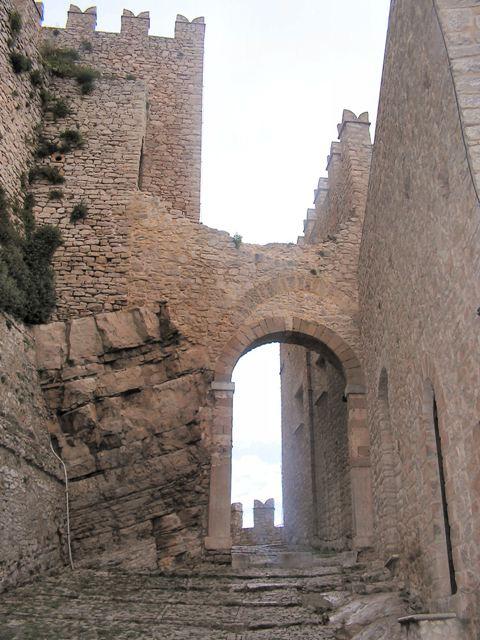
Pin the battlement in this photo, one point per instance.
(84, 23)
(348, 165)
(263, 531)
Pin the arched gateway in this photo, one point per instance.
(314, 337)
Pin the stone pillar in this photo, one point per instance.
(219, 509)
(359, 457)
(432, 626)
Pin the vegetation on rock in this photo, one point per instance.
(237, 240)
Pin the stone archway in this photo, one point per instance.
(291, 330)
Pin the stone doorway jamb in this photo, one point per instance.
(219, 508)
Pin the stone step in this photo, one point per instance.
(218, 603)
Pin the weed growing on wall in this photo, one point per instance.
(71, 139)
(26, 276)
(55, 194)
(63, 63)
(19, 62)
(58, 107)
(36, 77)
(15, 22)
(79, 212)
(45, 171)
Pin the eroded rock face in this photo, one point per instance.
(131, 399)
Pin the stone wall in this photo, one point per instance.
(32, 495)
(340, 198)
(172, 70)
(331, 453)
(92, 264)
(213, 288)
(419, 292)
(19, 99)
(131, 399)
(297, 485)
(315, 453)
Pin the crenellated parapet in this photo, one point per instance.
(133, 25)
(188, 31)
(342, 195)
(84, 23)
(81, 21)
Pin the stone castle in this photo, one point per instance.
(376, 308)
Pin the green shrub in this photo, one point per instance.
(79, 212)
(49, 173)
(59, 108)
(55, 194)
(237, 240)
(45, 148)
(45, 97)
(15, 22)
(71, 139)
(19, 62)
(36, 77)
(26, 276)
(86, 77)
(60, 61)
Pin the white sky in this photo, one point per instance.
(278, 74)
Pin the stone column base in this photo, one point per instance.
(217, 543)
(431, 626)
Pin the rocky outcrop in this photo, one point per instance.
(131, 399)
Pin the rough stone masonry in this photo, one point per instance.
(375, 307)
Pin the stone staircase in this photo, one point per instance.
(257, 598)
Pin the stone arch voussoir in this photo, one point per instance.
(269, 329)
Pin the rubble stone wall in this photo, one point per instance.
(92, 264)
(213, 288)
(19, 99)
(32, 494)
(131, 399)
(419, 292)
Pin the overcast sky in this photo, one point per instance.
(278, 74)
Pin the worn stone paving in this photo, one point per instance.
(325, 601)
